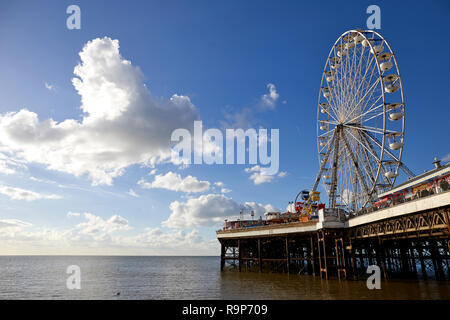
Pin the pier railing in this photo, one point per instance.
(400, 200)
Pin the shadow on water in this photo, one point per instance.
(249, 285)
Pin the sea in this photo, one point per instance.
(164, 278)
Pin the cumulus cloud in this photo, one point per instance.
(258, 176)
(122, 124)
(173, 181)
(23, 194)
(209, 210)
(95, 225)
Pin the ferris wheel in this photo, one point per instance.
(360, 120)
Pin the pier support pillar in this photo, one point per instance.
(239, 255)
(321, 244)
(259, 256)
(340, 258)
(313, 256)
(287, 254)
(222, 255)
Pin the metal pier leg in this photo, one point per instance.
(437, 261)
(222, 255)
(239, 255)
(308, 256)
(422, 262)
(259, 256)
(313, 257)
(380, 256)
(413, 259)
(287, 254)
(322, 251)
(354, 268)
(340, 258)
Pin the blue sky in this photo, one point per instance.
(221, 55)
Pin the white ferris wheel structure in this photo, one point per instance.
(360, 121)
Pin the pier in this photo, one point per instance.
(406, 240)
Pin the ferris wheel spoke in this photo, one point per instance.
(372, 153)
(368, 90)
(370, 129)
(361, 82)
(368, 111)
(327, 133)
(356, 72)
(356, 105)
(326, 110)
(375, 140)
(373, 117)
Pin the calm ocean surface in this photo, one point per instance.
(44, 277)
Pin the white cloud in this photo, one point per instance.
(50, 87)
(23, 194)
(247, 117)
(13, 223)
(98, 228)
(258, 177)
(153, 172)
(259, 209)
(173, 181)
(10, 166)
(269, 100)
(73, 214)
(446, 158)
(221, 185)
(282, 174)
(132, 193)
(122, 124)
(5, 168)
(209, 210)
